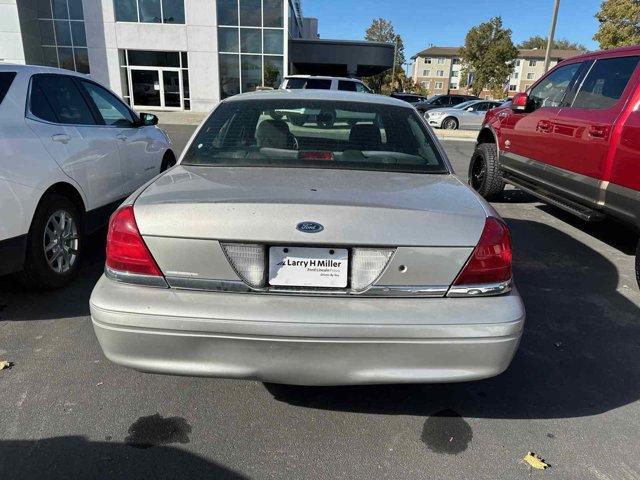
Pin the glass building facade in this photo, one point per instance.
(251, 40)
(62, 34)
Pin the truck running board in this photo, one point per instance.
(585, 213)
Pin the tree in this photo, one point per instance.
(271, 75)
(381, 30)
(488, 55)
(619, 23)
(541, 42)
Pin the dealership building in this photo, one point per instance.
(180, 54)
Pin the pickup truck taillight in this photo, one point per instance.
(126, 250)
(490, 261)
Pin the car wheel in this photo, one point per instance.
(485, 176)
(326, 118)
(450, 123)
(168, 161)
(54, 244)
(638, 264)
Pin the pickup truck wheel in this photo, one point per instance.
(54, 244)
(638, 264)
(484, 171)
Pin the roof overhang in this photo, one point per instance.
(345, 58)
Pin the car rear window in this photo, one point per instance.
(6, 79)
(605, 82)
(315, 134)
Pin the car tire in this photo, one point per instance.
(449, 123)
(298, 119)
(485, 176)
(638, 264)
(53, 253)
(168, 161)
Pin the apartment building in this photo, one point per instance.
(439, 69)
(180, 54)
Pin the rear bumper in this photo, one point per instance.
(306, 340)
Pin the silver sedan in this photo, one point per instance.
(307, 254)
(464, 115)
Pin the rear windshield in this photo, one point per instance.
(315, 134)
(6, 78)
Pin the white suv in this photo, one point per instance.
(314, 82)
(71, 152)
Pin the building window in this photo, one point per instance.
(427, 61)
(515, 75)
(440, 73)
(155, 79)
(424, 84)
(426, 73)
(454, 86)
(62, 34)
(513, 88)
(440, 61)
(439, 85)
(455, 61)
(250, 44)
(455, 73)
(149, 11)
(530, 76)
(533, 63)
(517, 63)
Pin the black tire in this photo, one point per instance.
(638, 264)
(168, 161)
(298, 119)
(37, 273)
(449, 123)
(485, 176)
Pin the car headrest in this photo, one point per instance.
(365, 136)
(274, 134)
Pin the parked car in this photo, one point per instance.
(573, 140)
(315, 82)
(442, 101)
(324, 118)
(468, 114)
(72, 151)
(324, 256)
(411, 98)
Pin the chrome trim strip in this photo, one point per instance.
(484, 290)
(134, 278)
(237, 286)
(407, 290)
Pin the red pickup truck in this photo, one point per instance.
(573, 140)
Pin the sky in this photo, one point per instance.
(425, 22)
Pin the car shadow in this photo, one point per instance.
(19, 304)
(578, 354)
(76, 457)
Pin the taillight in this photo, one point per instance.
(490, 261)
(126, 250)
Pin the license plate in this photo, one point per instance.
(308, 267)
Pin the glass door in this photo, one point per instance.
(156, 88)
(145, 85)
(172, 91)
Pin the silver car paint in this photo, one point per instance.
(266, 204)
(308, 339)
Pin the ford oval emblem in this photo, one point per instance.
(309, 227)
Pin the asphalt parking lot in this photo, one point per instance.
(572, 394)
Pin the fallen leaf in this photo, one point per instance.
(535, 461)
(4, 364)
